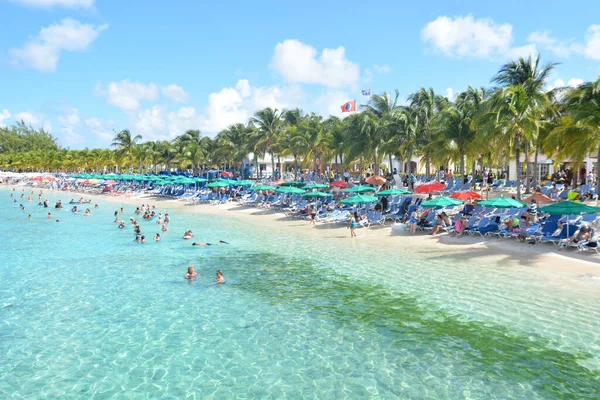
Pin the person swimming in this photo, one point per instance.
(188, 235)
(164, 228)
(191, 274)
(220, 242)
(220, 278)
(122, 225)
(49, 215)
(157, 237)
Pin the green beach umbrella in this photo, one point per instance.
(569, 207)
(502, 202)
(316, 195)
(441, 202)
(217, 184)
(293, 183)
(316, 186)
(262, 187)
(393, 192)
(289, 190)
(242, 183)
(360, 189)
(359, 199)
(161, 183)
(199, 179)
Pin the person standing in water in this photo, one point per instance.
(190, 273)
(220, 278)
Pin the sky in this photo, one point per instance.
(85, 69)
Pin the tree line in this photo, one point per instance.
(483, 127)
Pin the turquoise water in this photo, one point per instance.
(87, 313)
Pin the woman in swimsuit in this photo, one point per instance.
(191, 274)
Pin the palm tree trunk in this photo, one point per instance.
(257, 166)
(527, 170)
(597, 166)
(409, 167)
(360, 168)
(376, 166)
(279, 163)
(536, 173)
(462, 165)
(427, 166)
(295, 167)
(518, 158)
(390, 159)
(473, 166)
(272, 165)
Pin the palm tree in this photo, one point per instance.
(125, 142)
(268, 129)
(517, 106)
(578, 131)
(233, 143)
(426, 105)
(383, 110)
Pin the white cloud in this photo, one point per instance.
(574, 82)
(69, 124)
(450, 94)
(4, 115)
(100, 129)
(560, 83)
(225, 107)
(467, 36)
(52, 3)
(43, 51)
(557, 47)
(150, 123)
(27, 117)
(382, 69)
(528, 50)
(127, 95)
(592, 42)
(298, 63)
(175, 93)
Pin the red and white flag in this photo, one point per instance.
(349, 106)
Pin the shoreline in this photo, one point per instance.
(501, 252)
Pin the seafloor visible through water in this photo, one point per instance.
(85, 312)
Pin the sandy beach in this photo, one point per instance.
(499, 252)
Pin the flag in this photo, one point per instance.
(366, 92)
(349, 106)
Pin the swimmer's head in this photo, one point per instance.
(191, 269)
(193, 244)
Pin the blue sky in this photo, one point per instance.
(83, 68)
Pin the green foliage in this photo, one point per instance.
(23, 138)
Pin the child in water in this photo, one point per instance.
(220, 278)
(190, 273)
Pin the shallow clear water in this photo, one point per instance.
(87, 313)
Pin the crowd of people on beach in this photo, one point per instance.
(147, 211)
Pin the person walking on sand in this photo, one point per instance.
(353, 224)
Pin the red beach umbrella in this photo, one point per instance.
(37, 178)
(466, 195)
(339, 184)
(430, 188)
(226, 174)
